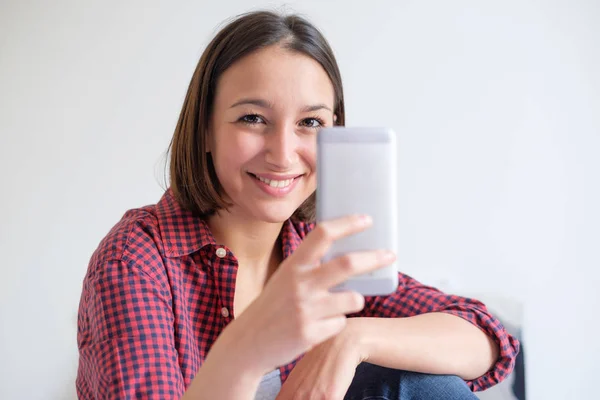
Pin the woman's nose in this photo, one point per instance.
(282, 149)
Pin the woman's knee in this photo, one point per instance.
(376, 382)
(414, 385)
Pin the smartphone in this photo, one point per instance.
(356, 174)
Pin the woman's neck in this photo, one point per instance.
(254, 243)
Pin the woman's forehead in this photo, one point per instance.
(278, 76)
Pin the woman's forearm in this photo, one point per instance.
(221, 381)
(434, 343)
(227, 373)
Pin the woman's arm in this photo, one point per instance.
(125, 335)
(440, 326)
(434, 343)
(127, 349)
(227, 373)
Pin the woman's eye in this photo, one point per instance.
(311, 123)
(251, 119)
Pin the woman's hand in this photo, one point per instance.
(296, 311)
(326, 371)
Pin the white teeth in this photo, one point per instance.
(274, 183)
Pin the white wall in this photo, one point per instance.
(496, 103)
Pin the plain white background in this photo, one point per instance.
(497, 107)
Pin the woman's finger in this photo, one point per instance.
(338, 304)
(318, 241)
(325, 329)
(341, 268)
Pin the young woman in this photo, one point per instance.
(216, 292)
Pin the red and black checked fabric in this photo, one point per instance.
(157, 295)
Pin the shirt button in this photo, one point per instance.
(225, 312)
(221, 252)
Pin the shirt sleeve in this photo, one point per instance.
(126, 337)
(413, 298)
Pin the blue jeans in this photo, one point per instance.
(372, 382)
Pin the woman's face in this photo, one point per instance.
(268, 107)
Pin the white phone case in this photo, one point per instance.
(356, 174)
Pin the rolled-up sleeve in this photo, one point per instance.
(413, 298)
(126, 337)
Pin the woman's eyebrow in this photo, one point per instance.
(265, 104)
(256, 102)
(316, 107)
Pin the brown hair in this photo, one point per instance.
(192, 175)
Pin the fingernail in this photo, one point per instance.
(366, 219)
(389, 256)
(360, 299)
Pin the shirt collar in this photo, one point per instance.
(184, 233)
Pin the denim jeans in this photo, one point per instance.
(372, 382)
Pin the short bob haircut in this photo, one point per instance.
(193, 180)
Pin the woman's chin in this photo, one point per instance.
(274, 214)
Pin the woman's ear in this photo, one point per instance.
(334, 118)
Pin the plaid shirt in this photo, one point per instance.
(159, 290)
